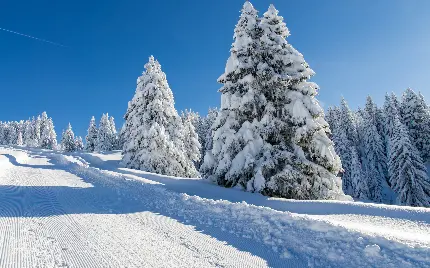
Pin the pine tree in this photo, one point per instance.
(390, 114)
(270, 135)
(28, 134)
(104, 134)
(36, 131)
(374, 158)
(153, 129)
(354, 181)
(13, 133)
(19, 140)
(114, 134)
(348, 120)
(414, 114)
(91, 138)
(79, 144)
(68, 140)
(191, 139)
(48, 135)
(43, 125)
(408, 175)
(375, 115)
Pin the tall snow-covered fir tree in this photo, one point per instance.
(349, 125)
(375, 115)
(408, 175)
(104, 134)
(43, 123)
(270, 135)
(68, 140)
(415, 115)
(91, 138)
(114, 134)
(48, 135)
(374, 158)
(191, 139)
(28, 134)
(19, 140)
(79, 144)
(354, 180)
(153, 129)
(36, 131)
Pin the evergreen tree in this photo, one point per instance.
(348, 120)
(408, 175)
(79, 144)
(374, 158)
(104, 134)
(19, 140)
(36, 131)
(48, 135)
(153, 129)
(91, 138)
(43, 125)
(191, 139)
(375, 115)
(270, 135)
(114, 134)
(28, 134)
(414, 114)
(68, 140)
(13, 133)
(354, 182)
(390, 114)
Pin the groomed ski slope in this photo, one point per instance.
(83, 210)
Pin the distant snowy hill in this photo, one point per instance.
(84, 210)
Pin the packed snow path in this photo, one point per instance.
(82, 210)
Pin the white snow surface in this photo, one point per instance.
(84, 210)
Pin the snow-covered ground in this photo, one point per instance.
(83, 210)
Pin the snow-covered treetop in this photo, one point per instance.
(271, 18)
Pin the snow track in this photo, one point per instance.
(59, 211)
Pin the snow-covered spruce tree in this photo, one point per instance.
(79, 144)
(153, 129)
(203, 127)
(415, 115)
(13, 133)
(28, 134)
(2, 132)
(375, 114)
(43, 124)
(354, 180)
(348, 120)
(19, 140)
(121, 137)
(191, 139)
(48, 135)
(390, 114)
(374, 158)
(270, 135)
(408, 175)
(36, 131)
(104, 134)
(114, 134)
(68, 140)
(91, 138)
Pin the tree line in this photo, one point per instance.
(384, 149)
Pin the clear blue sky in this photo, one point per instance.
(356, 47)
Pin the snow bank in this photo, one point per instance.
(289, 235)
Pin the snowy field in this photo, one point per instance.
(83, 210)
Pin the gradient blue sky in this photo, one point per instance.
(356, 48)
